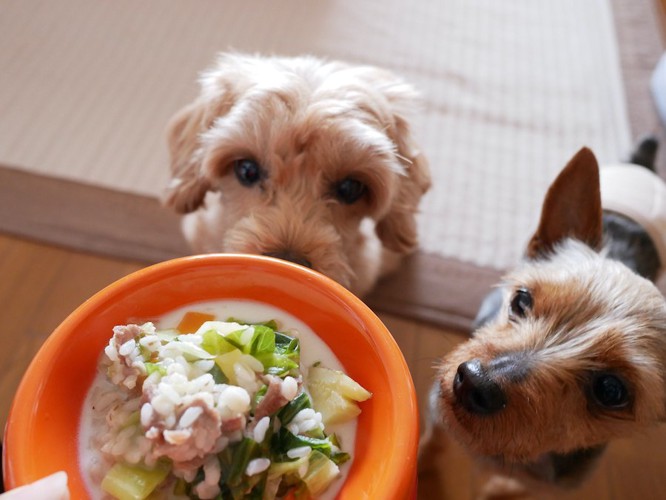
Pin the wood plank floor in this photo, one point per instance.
(42, 284)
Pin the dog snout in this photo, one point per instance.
(511, 366)
(291, 256)
(475, 389)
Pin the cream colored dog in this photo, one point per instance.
(301, 159)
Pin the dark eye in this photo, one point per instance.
(609, 391)
(349, 190)
(521, 303)
(248, 172)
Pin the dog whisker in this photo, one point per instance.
(403, 158)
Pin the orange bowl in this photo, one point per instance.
(41, 433)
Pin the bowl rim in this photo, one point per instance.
(17, 429)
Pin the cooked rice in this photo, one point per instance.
(175, 407)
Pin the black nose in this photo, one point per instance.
(294, 257)
(476, 391)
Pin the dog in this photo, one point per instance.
(302, 159)
(569, 352)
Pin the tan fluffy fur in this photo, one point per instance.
(309, 124)
(589, 314)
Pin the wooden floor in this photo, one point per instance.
(40, 285)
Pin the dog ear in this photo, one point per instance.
(572, 207)
(188, 185)
(219, 92)
(397, 229)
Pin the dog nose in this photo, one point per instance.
(476, 391)
(291, 257)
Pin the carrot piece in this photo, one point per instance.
(192, 321)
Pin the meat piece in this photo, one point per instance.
(123, 333)
(191, 442)
(273, 400)
(126, 364)
(233, 424)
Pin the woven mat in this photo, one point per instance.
(511, 90)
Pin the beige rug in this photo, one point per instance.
(511, 90)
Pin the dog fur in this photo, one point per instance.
(575, 357)
(315, 133)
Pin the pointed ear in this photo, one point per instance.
(397, 229)
(572, 207)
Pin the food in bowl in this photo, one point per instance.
(43, 422)
(199, 404)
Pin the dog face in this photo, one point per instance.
(576, 355)
(288, 156)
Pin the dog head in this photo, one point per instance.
(575, 356)
(290, 155)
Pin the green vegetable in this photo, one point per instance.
(215, 343)
(263, 341)
(226, 363)
(285, 358)
(218, 375)
(242, 453)
(284, 440)
(340, 457)
(260, 343)
(337, 381)
(234, 483)
(238, 339)
(335, 395)
(154, 367)
(133, 482)
(289, 411)
(278, 469)
(321, 472)
(277, 352)
(286, 344)
(279, 365)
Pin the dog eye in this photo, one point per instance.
(609, 391)
(349, 190)
(520, 304)
(248, 172)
